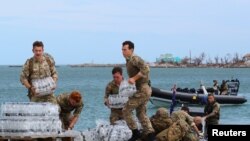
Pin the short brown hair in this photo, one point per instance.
(117, 69)
(37, 44)
(75, 95)
(129, 43)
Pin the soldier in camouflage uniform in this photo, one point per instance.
(161, 120)
(223, 88)
(38, 67)
(181, 128)
(138, 72)
(113, 89)
(70, 102)
(212, 112)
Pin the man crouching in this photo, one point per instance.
(70, 102)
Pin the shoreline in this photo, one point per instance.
(150, 65)
(163, 66)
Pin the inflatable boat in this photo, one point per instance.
(162, 97)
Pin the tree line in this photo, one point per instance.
(205, 60)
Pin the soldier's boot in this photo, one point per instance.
(151, 137)
(135, 135)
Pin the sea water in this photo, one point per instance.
(91, 82)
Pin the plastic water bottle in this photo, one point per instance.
(126, 89)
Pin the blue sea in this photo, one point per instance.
(91, 81)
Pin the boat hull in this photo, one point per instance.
(165, 96)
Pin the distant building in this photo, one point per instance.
(168, 58)
(246, 59)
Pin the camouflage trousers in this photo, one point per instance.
(175, 135)
(178, 131)
(65, 118)
(116, 114)
(190, 136)
(138, 102)
(47, 98)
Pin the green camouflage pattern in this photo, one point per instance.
(46, 98)
(214, 109)
(66, 109)
(136, 64)
(40, 70)
(63, 102)
(115, 114)
(161, 120)
(111, 89)
(139, 104)
(178, 131)
(181, 115)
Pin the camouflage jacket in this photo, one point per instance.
(111, 89)
(181, 115)
(223, 87)
(135, 65)
(212, 111)
(160, 123)
(40, 70)
(63, 102)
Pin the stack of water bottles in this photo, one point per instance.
(126, 90)
(28, 118)
(44, 86)
(106, 132)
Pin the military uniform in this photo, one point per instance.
(113, 89)
(140, 99)
(216, 87)
(175, 132)
(180, 129)
(161, 121)
(223, 88)
(39, 70)
(190, 134)
(66, 109)
(212, 112)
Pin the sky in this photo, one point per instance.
(92, 31)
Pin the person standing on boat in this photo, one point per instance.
(212, 112)
(223, 88)
(68, 103)
(138, 72)
(216, 87)
(36, 68)
(113, 89)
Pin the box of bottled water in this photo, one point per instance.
(126, 89)
(29, 118)
(117, 101)
(44, 86)
(29, 109)
(106, 132)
